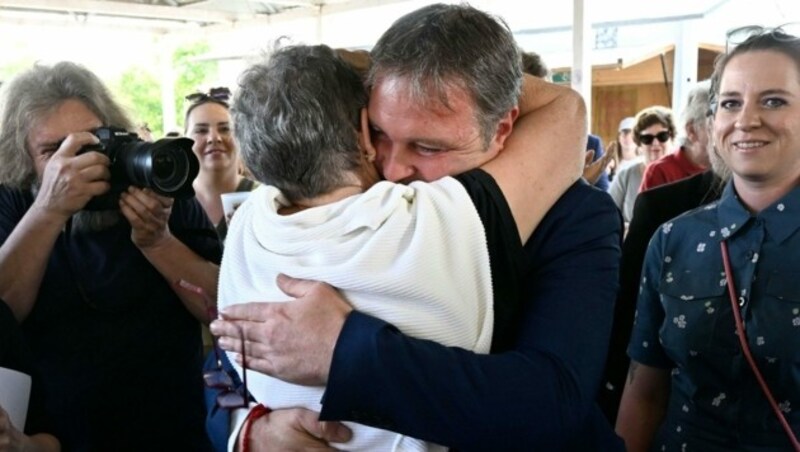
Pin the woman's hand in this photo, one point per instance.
(294, 429)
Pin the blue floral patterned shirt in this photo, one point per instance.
(685, 322)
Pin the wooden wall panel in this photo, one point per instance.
(612, 103)
(617, 93)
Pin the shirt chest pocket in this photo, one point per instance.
(697, 312)
(774, 321)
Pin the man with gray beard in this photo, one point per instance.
(93, 290)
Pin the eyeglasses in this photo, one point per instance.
(785, 32)
(221, 94)
(229, 397)
(647, 138)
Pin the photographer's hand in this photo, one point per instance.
(148, 214)
(70, 180)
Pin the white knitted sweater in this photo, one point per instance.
(415, 256)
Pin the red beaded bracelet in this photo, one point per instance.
(257, 412)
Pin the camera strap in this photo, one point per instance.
(737, 316)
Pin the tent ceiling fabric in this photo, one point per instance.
(160, 12)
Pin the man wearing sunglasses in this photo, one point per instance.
(536, 389)
(119, 351)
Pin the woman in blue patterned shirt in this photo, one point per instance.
(689, 386)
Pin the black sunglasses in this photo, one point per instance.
(221, 94)
(647, 138)
(229, 397)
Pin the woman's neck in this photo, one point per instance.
(758, 195)
(628, 153)
(337, 194)
(217, 182)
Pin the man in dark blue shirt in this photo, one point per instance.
(536, 389)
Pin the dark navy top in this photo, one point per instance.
(119, 354)
(685, 322)
(536, 390)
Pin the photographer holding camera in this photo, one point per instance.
(118, 348)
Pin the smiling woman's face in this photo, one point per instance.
(757, 123)
(209, 125)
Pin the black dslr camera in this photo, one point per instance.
(166, 166)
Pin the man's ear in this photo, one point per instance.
(504, 128)
(364, 139)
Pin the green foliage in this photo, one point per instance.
(191, 75)
(8, 71)
(139, 90)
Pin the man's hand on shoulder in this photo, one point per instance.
(292, 341)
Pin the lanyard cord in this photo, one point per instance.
(746, 349)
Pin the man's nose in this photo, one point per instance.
(393, 166)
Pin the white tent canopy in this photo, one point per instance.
(109, 35)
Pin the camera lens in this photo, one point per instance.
(163, 166)
(167, 166)
(170, 169)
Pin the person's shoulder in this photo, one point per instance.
(678, 190)
(582, 205)
(699, 220)
(661, 161)
(631, 169)
(581, 193)
(472, 178)
(476, 184)
(441, 191)
(581, 218)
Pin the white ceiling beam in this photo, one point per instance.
(289, 2)
(122, 9)
(330, 7)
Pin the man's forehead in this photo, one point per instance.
(54, 125)
(431, 93)
(39, 136)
